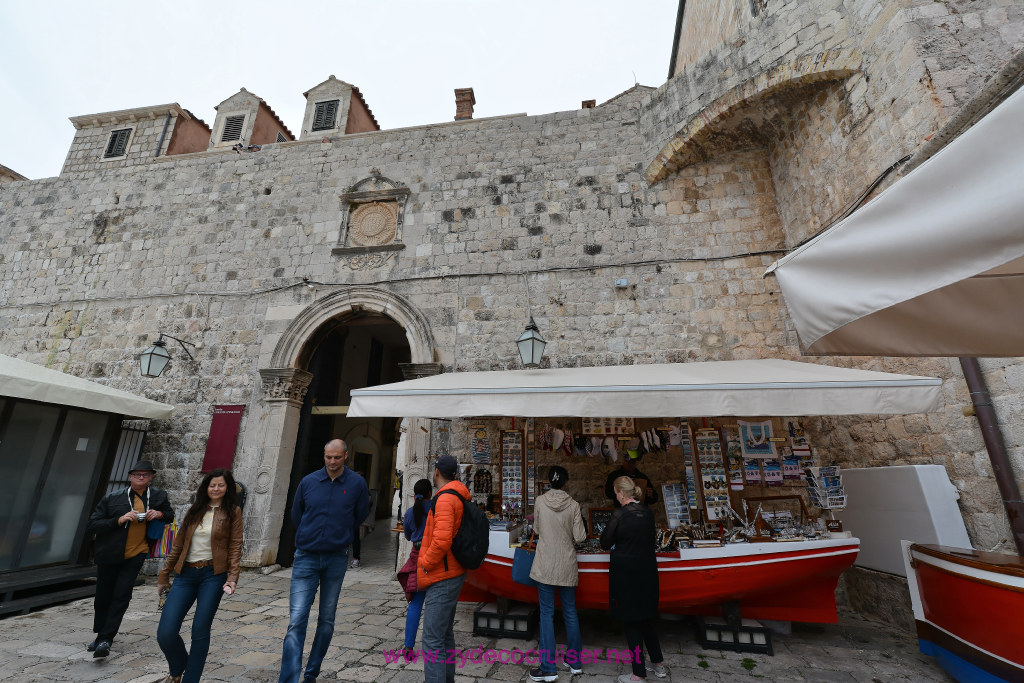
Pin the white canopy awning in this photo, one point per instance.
(20, 379)
(934, 266)
(740, 387)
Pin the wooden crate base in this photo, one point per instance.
(518, 621)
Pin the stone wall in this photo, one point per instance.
(707, 25)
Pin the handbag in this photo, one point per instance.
(155, 529)
(162, 547)
(407, 574)
(522, 563)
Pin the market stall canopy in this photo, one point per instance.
(21, 379)
(934, 266)
(739, 387)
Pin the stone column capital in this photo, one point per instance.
(417, 370)
(285, 384)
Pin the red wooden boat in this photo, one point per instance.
(968, 606)
(784, 581)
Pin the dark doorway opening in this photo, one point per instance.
(358, 351)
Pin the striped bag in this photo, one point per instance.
(162, 548)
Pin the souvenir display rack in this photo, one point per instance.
(513, 473)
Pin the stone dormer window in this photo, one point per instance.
(233, 126)
(325, 116)
(117, 145)
(372, 214)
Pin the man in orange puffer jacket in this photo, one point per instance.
(440, 573)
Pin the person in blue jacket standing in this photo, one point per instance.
(413, 525)
(329, 506)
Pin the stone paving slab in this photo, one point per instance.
(247, 635)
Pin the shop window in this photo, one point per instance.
(66, 492)
(27, 435)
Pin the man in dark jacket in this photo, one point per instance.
(121, 546)
(630, 470)
(329, 505)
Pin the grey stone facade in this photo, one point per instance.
(238, 249)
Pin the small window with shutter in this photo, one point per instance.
(325, 116)
(232, 128)
(118, 143)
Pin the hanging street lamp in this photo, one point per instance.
(531, 345)
(153, 360)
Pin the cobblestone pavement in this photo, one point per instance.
(50, 645)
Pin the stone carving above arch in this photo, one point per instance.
(293, 347)
(372, 216)
(734, 116)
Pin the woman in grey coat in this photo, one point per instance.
(559, 526)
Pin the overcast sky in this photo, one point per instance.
(61, 58)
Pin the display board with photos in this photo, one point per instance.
(513, 472)
(713, 482)
(608, 426)
(531, 463)
(733, 457)
(674, 493)
(599, 518)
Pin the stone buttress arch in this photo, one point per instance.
(687, 146)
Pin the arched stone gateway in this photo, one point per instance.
(292, 349)
(269, 442)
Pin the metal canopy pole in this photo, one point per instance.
(987, 420)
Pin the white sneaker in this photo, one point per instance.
(574, 669)
(355, 564)
(658, 670)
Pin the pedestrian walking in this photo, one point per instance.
(439, 573)
(633, 577)
(205, 557)
(329, 505)
(558, 522)
(126, 524)
(413, 525)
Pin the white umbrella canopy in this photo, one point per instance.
(21, 379)
(713, 388)
(934, 266)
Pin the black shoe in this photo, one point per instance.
(102, 649)
(538, 675)
(91, 647)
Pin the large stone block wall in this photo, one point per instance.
(963, 42)
(707, 25)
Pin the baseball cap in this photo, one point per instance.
(447, 465)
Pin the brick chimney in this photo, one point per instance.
(589, 104)
(464, 101)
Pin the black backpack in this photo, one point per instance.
(471, 540)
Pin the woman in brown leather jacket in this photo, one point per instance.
(205, 556)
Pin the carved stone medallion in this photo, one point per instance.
(373, 224)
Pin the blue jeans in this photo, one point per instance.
(412, 618)
(439, 629)
(192, 586)
(310, 571)
(546, 646)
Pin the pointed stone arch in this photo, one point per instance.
(294, 347)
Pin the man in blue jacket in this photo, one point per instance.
(329, 506)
